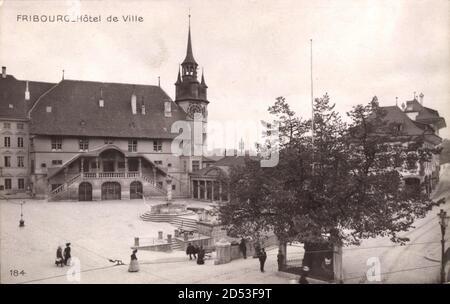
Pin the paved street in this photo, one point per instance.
(416, 262)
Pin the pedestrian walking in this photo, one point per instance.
(262, 259)
(195, 251)
(190, 251)
(134, 264)
(67, 254)
(280, 260)
(243, 248)
(201, 256)
(59, 257)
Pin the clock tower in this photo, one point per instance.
(190, 94)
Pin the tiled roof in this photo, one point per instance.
(12, 96)
(230, 161)
(224, 164)
(425, 114)
(75, 111)
(396, 117)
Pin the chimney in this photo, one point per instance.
(3, 72)
(27, 92)
(142, 106)
(133, 103)
(421, 98)
(167, 108)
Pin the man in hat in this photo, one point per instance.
(262, 259)
(67, 255)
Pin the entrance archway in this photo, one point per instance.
(136, 190)
(85, 192)
(111, 191)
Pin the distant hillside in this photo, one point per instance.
(445, 154)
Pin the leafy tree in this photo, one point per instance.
(340, 189)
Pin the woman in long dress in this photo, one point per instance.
(134, 265)
(59, 257)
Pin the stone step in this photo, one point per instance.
(173, 219)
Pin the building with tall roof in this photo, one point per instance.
(89, 140)
(16, 98)
(413, 123)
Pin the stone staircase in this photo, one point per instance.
(181, 220)
(59, 191)
(176, 245)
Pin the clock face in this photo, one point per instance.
(194, 108)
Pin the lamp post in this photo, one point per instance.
(443, 221)
(21, 222)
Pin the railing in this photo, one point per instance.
(100, 175)
(90, 175)
(65, 185)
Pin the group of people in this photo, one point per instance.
(63, 258)
(197, 252)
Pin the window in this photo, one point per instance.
(43, 165)
(160, 184)
(173, 187)
(56, 143)
(20, 142)
(7, 142)
(84, 144)
(158, 162)
(7, 161)
(7, 125)
(8, 184)
(157, 146)
(109, 141)
(20, 161)
(20, 126)
(56, 162)
(48, 109)
(169, 165)
(21, 183)
(31, 142)
(195, 165)
(132, 145)
(185, 166)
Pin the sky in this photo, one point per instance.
(251, 51)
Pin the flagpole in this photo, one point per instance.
(312, 98)
(312, 109)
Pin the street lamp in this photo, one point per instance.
(21, 222)
(443, 221)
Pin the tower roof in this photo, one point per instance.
(189, 55)
(179, 77)
(203, 83)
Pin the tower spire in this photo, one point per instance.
(189, 54)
